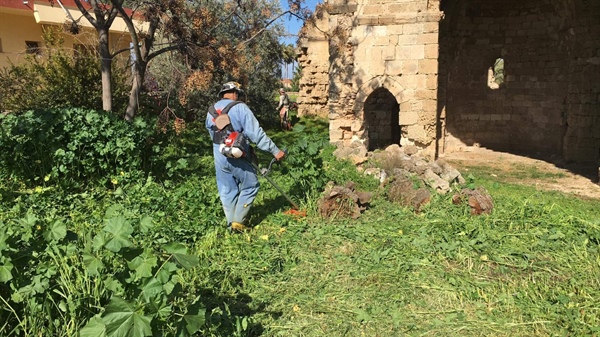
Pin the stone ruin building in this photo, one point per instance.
(520, 76)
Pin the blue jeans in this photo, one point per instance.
(238, 186)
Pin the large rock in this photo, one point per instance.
(343, 201)
(479, 200)
(434, 181)
(357, 155)
(401, 190)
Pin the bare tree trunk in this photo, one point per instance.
(139, 70)
(106, 70)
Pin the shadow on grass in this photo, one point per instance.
(8, 195)
(226, 313)
(269, 206)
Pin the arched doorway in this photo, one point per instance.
(382, 118)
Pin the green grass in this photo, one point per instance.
(531, 268)
(516, 172)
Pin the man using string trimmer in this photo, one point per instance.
(232, 126)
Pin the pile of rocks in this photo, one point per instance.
(343, 201)
(404, 162)
(403, 168)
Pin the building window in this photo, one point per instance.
(499, 71)
(496, 74)
(1, 51)
(33, 47)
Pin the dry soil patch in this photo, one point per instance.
(542, 174)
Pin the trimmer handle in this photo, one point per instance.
(265, 171)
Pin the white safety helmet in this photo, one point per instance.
(230, 86)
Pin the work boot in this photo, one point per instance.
(238, 227)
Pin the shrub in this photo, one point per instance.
(59, 79)
(73, 145)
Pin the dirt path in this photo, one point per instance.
(524, 170)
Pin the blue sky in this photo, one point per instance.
(293, 25)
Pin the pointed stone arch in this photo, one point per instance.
(377, 105)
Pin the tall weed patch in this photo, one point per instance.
(70, 146)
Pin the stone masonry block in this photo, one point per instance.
(388, 53)
(416, 52)
(405, 107)
(372, 10)
(431, 38)
(432, 51)
(338, 124)
(429, 105)
(393, 68)
(381, 41)
(375, 54)
(335, 135)
(416, 132)
(408, 6)
(377, 67)
(426, 94)
(413, 28)
(431, 27)
(428, 66)
(410, 67)
(431, 82)
(356, 126)
(379, 31)
(404, 40)
(408, 117)
(410, 83)
(367, 20)
(395, 30)
(358, 31)
(427, 117)
(386, 20)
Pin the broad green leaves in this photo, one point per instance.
(192, 321)
(180, 255)
(71, 146)
(152, 278)
(118, 230)
(94, 328)
(93, 264)
(143, 264)
(5, 271)
(121, 320)
(56, 231)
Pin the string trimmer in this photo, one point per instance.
(264, 172)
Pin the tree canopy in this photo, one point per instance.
(212, 41)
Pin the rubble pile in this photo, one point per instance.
(343, 201)
(401, 169)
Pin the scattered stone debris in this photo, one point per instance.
(402, 191)
(400, 169)
(343, 201)
(478, 199)
(406, 162)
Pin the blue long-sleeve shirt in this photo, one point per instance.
(244, 121)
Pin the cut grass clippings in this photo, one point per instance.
(529, 269)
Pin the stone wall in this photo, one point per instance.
(313, 57)
(548, 103)
(373, 45)
(442, 63)
(581, 142)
